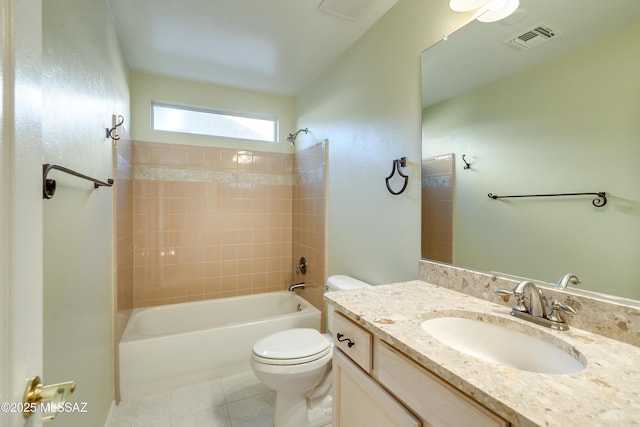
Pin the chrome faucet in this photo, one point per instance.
(535, 298)
(536, 312)
(296, 286)
(566, 279)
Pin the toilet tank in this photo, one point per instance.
(341, 283)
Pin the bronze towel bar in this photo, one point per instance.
(49, 185)
(598, 202)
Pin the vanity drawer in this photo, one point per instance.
(353, 340)
(434, 401)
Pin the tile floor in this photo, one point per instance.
(235, 401)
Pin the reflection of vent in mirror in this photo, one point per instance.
(533, 37)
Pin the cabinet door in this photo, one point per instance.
(359, 401)
(432, 400)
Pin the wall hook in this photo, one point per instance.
(467, 165)
(110, 132)
(397, 164)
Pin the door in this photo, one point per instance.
(20, 205)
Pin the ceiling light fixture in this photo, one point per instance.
(486, 10)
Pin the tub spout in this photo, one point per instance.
(296, 286)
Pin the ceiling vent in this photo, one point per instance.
(346, 9)
(533, 37)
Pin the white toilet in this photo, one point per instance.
(296, 364)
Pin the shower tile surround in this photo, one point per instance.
(123, 207)
(610, 319)
(215, 222)
(437, 208)
(123, 244)
(209, 222)
(309, 217)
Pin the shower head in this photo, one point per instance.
(292, 136)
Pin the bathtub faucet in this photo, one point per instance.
(302, 266)
(296, 286)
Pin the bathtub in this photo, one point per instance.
(178, 344)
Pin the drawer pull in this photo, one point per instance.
(341, 339)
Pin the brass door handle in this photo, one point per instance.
(48, 398)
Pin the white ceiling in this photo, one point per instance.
(276, 46)
(477, 54)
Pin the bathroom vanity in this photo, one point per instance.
(394, 388)
(388, 371)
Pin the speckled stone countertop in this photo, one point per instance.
(606, 392)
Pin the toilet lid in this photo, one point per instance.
(291, 344)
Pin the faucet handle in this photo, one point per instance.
(520, 305)
(556, 307)
(302, 266)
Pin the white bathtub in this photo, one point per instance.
(173, 345)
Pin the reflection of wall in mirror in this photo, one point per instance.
(567, 125)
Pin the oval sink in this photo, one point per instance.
(497, 343)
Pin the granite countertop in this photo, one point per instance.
(606, 392)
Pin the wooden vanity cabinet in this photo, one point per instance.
(387, 389)
(358, 400)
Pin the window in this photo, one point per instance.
(213, 123)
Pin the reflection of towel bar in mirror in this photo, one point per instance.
(397, 164)
(598, 202)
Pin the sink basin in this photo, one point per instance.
(487, 340)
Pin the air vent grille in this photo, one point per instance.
(533, 37)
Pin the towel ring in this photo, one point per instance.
(397, 163)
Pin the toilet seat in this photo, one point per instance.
(291, 347)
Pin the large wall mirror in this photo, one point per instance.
(546, 102)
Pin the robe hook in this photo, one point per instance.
(110, 132)
(467, 165)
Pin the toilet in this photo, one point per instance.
(296, 364)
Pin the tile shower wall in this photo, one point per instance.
(210, 222)
(123, 241)
(123, 214)
(309, 220)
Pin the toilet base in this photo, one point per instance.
(292, 410)
(320, 415)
